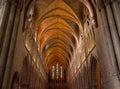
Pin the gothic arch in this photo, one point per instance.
(15, 81)
(25, 73)
(90, 5)
(95, 73)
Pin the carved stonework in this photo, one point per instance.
(28, 21)
(92, 7)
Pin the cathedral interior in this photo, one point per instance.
(59, 44)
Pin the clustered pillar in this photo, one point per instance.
(4, 20)
(110, 22)
(8, 32)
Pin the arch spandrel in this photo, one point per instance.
(54, 22)
(57, 50)
(56, 19)
(58, 31)
(58, 4)
(59, 43)
(52, 37)
(57, 58)
(61, 34)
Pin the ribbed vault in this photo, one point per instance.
(56, 36)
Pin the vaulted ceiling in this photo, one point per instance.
(60, 26)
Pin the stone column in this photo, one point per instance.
(114, 34)
(4, 23)
(2, 10)
(110, 78)
(116, 12)
(6, 81)
(5, 48)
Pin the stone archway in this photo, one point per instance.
(24, 81)
(95, 74)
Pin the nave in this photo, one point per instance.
(59, 44)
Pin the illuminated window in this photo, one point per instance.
(57, 71)
(61, 72)
(53, 72)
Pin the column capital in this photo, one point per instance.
(3, 2)
(94, 21)
(101, 4)
(18, 3)
(15, 2)
(104, 3)
(107, 2)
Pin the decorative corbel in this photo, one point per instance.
(92, 12)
